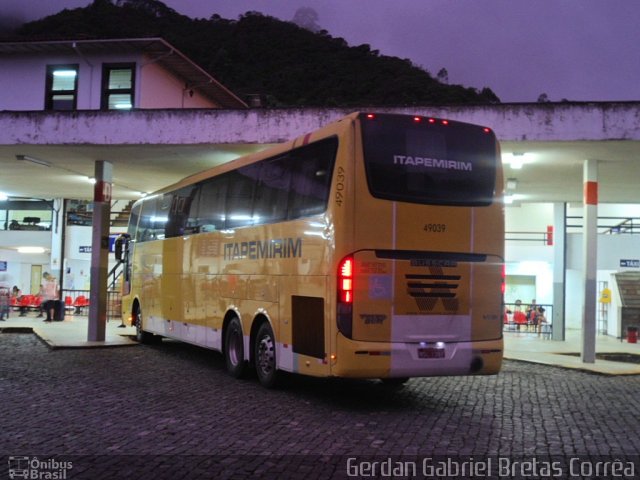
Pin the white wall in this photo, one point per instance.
(78, 257)
(160, 89)
(528, 217)
(23, 83)
(537, 260)
(611, 249)
(19, 269)
(28, 76)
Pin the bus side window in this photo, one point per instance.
(133, 220)
(179, 212)
(240, 189)
(207, 212)
(152, 220)
(272, 191)
(145, 219)
(311, 183)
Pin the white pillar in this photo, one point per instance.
(100, 252)
(590, 249)
(57, 233)
(559, 269)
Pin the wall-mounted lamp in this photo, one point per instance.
(37, 161)
(517, 161)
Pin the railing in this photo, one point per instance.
(114, 275)
(77, 302)
(542, 238)
(609, 225)
(528, 318)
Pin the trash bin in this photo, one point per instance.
(58, 311)
(632, 334)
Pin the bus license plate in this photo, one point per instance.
(430, 352)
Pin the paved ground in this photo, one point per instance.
(170, 411)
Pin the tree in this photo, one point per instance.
(543, 98)
(443, 76)
(307, 18)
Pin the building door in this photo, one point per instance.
(36, 278)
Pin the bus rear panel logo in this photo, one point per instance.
(428, 290)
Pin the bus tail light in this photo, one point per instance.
(345, 297)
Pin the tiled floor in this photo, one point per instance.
(72, 332)
(529, 347)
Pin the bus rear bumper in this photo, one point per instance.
(357, 359)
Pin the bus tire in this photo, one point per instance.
(265, 356)
(234, 349)
(141, 335)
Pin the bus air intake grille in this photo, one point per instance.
(427, 290)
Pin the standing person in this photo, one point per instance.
(541, 321)
(5, 302)
(50, 295)
(40, 295)
(17, 294)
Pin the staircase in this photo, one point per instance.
(121, 218)
(629, 287)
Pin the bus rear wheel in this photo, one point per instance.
(265, 356)
(234, 349)
(141, 335)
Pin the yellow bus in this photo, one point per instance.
(370, 248)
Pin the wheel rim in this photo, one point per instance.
(138, 323)
(266, 355)
(235, 346)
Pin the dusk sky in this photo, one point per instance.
(582, 50)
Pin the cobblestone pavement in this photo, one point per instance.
(170, 411)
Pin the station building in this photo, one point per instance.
(143, 106)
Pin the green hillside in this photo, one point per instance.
(285, 64)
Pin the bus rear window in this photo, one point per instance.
(436, 162)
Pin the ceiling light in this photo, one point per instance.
(517, 159)
(91, 180)
(512, 183)
(3, 197)
(31, 250)
(37, 161)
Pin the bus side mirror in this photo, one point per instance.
(120, 246)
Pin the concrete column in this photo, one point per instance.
(100, 252)
(57, 241)
(590, 250)
(559, 269)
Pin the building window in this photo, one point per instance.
(62, 87)
(118, 83)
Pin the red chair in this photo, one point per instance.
(80, 302)
(68, 303)
(36, 301)
(25, 304)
